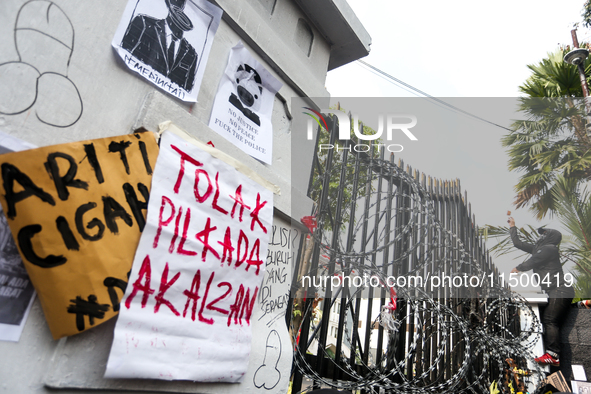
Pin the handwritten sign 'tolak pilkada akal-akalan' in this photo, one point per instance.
(76, 211)
(197, 272)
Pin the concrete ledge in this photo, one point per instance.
(337, 22)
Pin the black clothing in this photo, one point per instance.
(553, 315)
(545, 261)
(235, 101)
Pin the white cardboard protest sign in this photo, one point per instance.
(168, 42)
(187, 310)
(244, 104)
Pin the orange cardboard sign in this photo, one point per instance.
(76, 212)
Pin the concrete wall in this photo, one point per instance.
(95, 95)
(113, 99)
(576, 342)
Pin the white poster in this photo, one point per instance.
(168, 42)
(272, 339)
(244, 104)
(188, 307)
(16, 290)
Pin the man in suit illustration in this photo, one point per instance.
(159, 43)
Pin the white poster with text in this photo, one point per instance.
(168, 42)
(16, 290)
(244, 104)
(188, 307)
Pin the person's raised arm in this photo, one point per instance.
(526, 247)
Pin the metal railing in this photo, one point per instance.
(383, 221)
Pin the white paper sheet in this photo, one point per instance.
(580, 387)
(579, 373)
(244, 104)
(16, 291)
(168, 42)
(188, 306)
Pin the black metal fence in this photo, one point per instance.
(406, 232)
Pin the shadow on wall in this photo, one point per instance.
(38, 80)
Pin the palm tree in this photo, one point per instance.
(586, 14)
(552, 140)
(572, 205)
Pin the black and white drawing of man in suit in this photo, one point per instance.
(249, 89)
(159, 43)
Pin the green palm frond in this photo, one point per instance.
(551, 140)
(501, 235)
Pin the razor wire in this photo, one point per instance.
(468, 330)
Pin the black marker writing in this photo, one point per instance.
(82, 209)
(136, 205)
(67, 235)
(120, 147)
(112, 210)
(111, 283)
(93, 160)
(63, 182)
(145, 157)
(10, 174)
(89, 308)
(24, 237)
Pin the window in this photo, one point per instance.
(304, 37)
(269, 5)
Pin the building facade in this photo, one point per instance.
(92, 94)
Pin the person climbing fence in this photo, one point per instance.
(545, 262)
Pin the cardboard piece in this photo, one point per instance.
(557, 383)
(76, 212)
